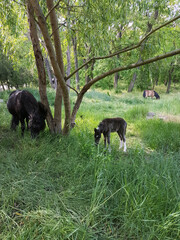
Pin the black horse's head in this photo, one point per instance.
(37, 120)
(97, 135)
(156, 95)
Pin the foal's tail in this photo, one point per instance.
(124, 127)
(144, 93)
(156, 95)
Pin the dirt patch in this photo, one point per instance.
(166, 118)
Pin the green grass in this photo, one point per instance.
(58, 187)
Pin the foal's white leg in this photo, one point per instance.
(121, 144)
(125, 146)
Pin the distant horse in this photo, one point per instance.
(151, 93)
(23, 105)
(109, 125)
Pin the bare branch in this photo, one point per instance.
(72, 89)
(127, 49)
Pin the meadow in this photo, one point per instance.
(56, 187)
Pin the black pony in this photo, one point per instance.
(109, 125)
(23, 105)
(151, 93)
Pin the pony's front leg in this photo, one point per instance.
(108, 140)
(104, 139)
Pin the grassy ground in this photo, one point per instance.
(64, 188)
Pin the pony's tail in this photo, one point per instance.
(144, 93)
(156, 95)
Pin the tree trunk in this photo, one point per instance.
(87, 77)
(131, 85)
(3, 86)
(68, 66)
(116, 78)
(39, 65)
(74, 42)
(170, 78)
(52, 78)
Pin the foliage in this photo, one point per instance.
(16, 58)
(10, 76)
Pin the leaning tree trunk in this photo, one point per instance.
(39, 64)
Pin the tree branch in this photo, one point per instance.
(72, 88)
(119, 69)
(134, 65)
(127, 49)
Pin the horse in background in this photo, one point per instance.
(109, 125)
(151, 93)
(23, 105)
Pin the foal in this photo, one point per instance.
(109, 125)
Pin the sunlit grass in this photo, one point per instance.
(58, 187)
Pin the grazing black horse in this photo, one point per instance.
(109, 125)
(151, 93)
(23, 105)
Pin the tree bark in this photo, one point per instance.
(68, 66)
(39, 64)
(170, 78)
(74, 42)
(57, 64)
(52, 78)
(116, 78)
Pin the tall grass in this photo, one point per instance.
(58, 187)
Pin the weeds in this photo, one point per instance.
(65, 188)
